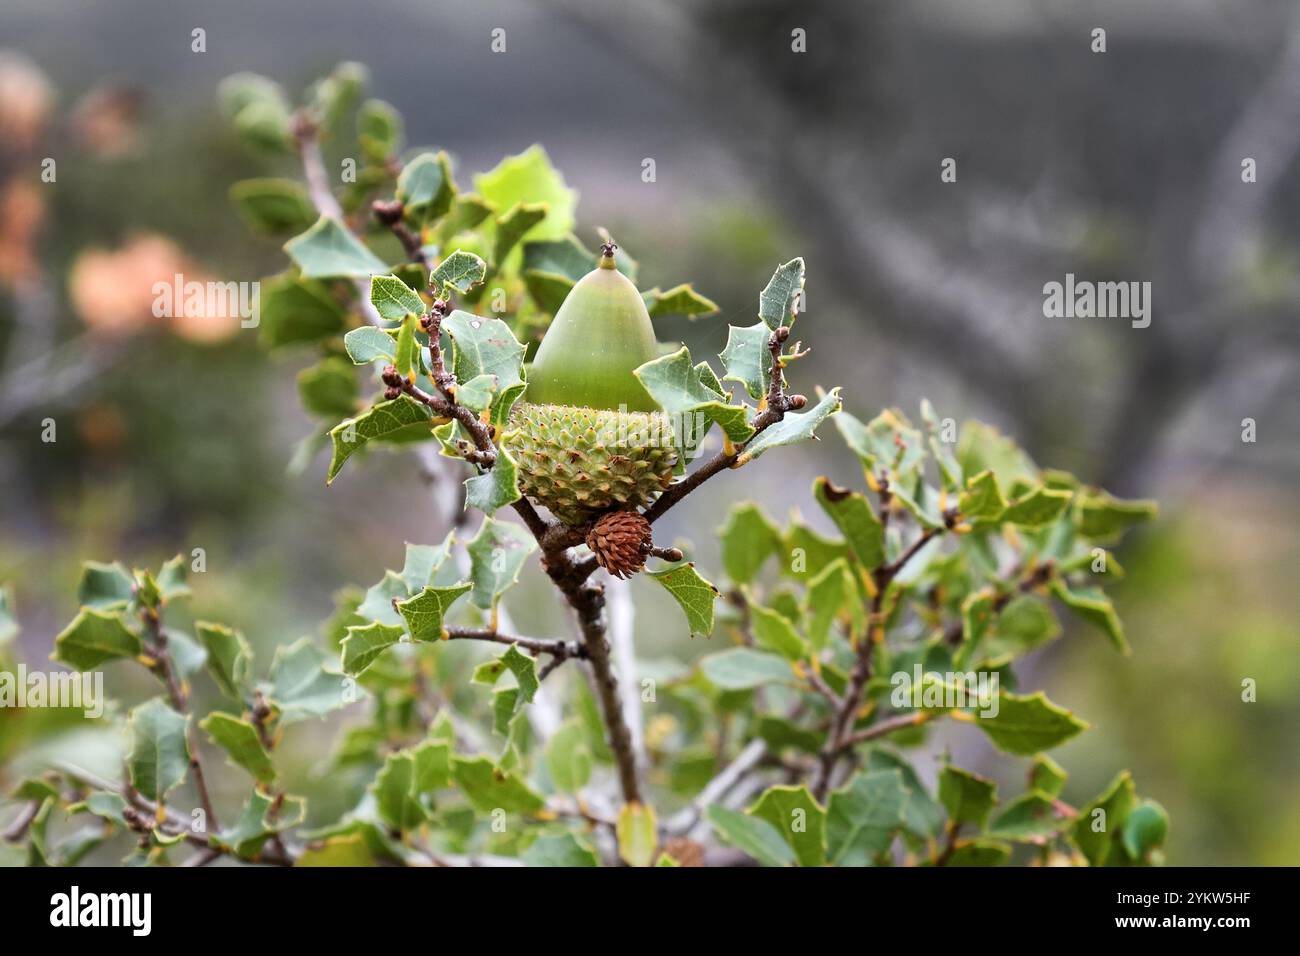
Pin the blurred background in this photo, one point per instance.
(1125, 165)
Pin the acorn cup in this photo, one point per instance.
(588, 437)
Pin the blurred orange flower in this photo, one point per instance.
(118, 292)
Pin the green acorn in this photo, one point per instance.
(588, 437)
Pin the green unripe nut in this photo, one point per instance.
(600, 334)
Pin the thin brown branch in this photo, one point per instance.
(882, 577)
(777, 404)
(389, 212)
(949, 846)
(883, 728)
(16, 830)
(165, 669)
(142, 814)
(562, 650)
(818, 683)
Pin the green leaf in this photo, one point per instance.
(565, 258)
(1047, 776)
(329, 388)
(693, 594)
(547, 289)
(484, 346)
(147, 592)
(1145, 829)
(679, 300)
(568, 758)
(336, 94)
(328, 250)
(244, 89)
(460, 270)
(424, 560)
(888, 442)
(1027, 724)
(780, 297)
(34, 788)
(521, 665)
(497, 553)
(530, 178)
(296, 311)
(799, 819)
(982, 497)
(172, 578)
(265, 125)
(379, 130)
(1025, 623)
(751, 835)
(1105, 518)
(1098, 831)
(401, 420)
(853, 515)
(560, 849)
(773, 632)
(794, 427)
(305, 682)
(489, 788)
(405, 780)
(1041, 506)
(377, 603)
(966, 796)
(1030, 818)
(273, 206)
(424, 613)
(187, 654)
(364, 643)
(748, 539)
(105, 587)
(949, 469)
(368, 344)
(349, 850)
(1093, 606)
(407, 358)
(496, 487)
(978, 610)
(394, 299)
(982, 447)
(259, 821)
(983, 853)
(922, 815)
(505, 706)
(746, 358)
(92, 638)
(827, 594)
(229, 657)
(780, 733)
(637, 833)
(513, 226)
(675, 384)
(109, 806)
(239, 739)
(467, 211)
(425, 188)
(863, 816)
(159, 754)
(741, 668)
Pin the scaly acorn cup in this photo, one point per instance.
(587, 436)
